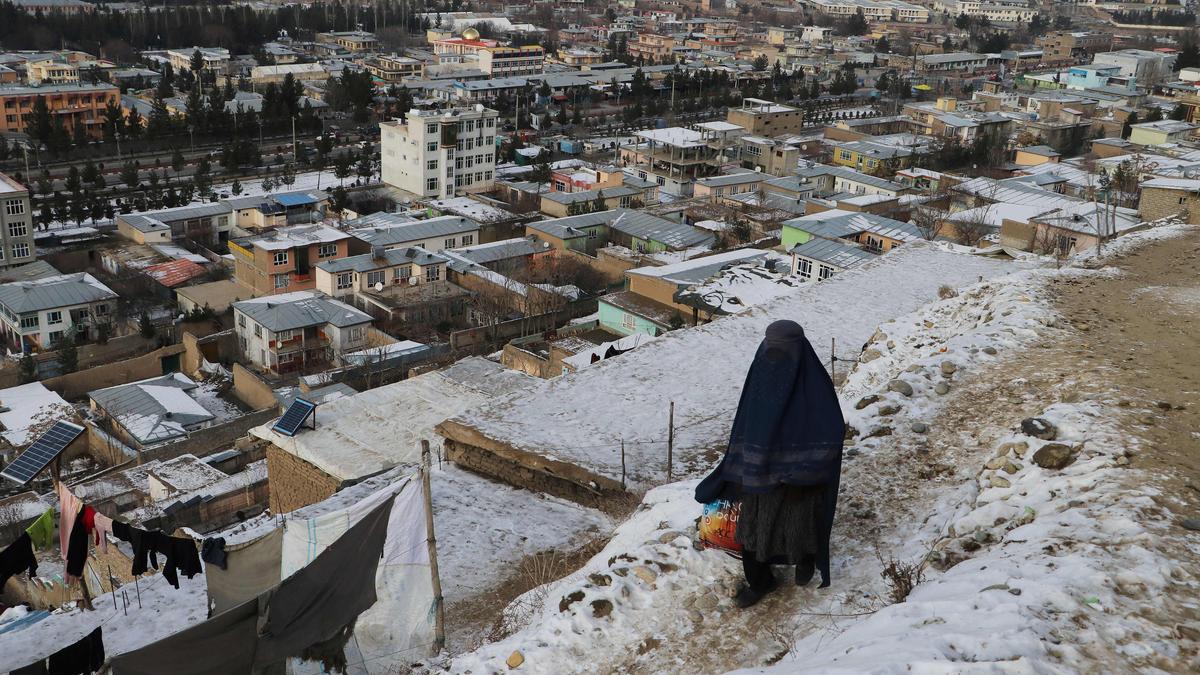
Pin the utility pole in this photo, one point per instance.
(293, 139)
(439, 626)
(670, 438)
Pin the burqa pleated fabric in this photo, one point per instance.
(788, 430)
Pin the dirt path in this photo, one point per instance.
(1130, 342)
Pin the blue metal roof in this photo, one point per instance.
(297, 199)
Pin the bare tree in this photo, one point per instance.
(1046, 241)
(971, 231)
(928, 220)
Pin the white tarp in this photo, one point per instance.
(399, 627)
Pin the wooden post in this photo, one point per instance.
(622, 463)
(670, 437)
(439, 626)
(833, 361)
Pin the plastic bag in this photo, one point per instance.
(718, 526)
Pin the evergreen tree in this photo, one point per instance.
(39, 122)
(856, 24)
(598, 204)
(27, 368)
(145, 327)
(68, 355)
(129, 174)
(177, 162)
(74, 182)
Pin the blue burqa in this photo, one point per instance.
(788, 429)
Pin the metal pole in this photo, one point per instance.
(139, 591)
(439, 630)
(670, 437)
(622, 463)
(833, 361)
(293, 138)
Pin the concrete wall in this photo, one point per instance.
(205, 441)
(507, 330)
(296, 483)
(220, 347)
(78, 384)
(252, 390)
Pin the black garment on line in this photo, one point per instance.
(36, 668)
(17, 558)
(180, 552)
(77, 547)
(81, 658)
(212, 551)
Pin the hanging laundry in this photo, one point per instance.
(41, 532)
(81, 658)
(17, 558)
(182, 555)
(309, 607)
(250, 569)
(103, 528)
(77, 548)
(37, 668)
(212, 551)
(69, 507)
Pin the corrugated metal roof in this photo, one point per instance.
(835, 253)
(378, 232)
(175, 272)
(301, 309)
(505, 249)
(64, 290)
(149, 410)
(369, 261)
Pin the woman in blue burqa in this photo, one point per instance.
(783, 462)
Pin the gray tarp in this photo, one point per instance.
(306, 608)
(253, 568)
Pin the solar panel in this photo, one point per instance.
(43, 451)
(296, 413)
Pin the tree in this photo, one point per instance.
(39, 122)
(145, 326)
(1155, 114)
(27, 368)
(541, 171)
(761, 63)
(236, 187)
(365, 167)
(340, 201)
(129, 174)
(74, 181)
(928, 221)
(177, 162)
(342, 168)
(287, 177)
(598, 204)
(856, 24)
(68, 355)
(882, 46)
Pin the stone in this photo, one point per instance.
(990, 351)
(568, 600)
(648, 645)
(851, 432)
(866, 401)
(600, 579)
(645, 573)
(994, 587)
(870, 355)
(1191, 524)
(707, 602)
(880, 431)
(1019, 448)
(1014, 591)
(1000, 482)
(1010, 468)
(889, 410)
(914, 368)
(601, 608)
(1122, 461)
(852, 452)
(942, 388)
(1054, 456)
(668, 537)
(948, 368)
(1039, 428)
(919, 427)
(515, 659)
(995, 462)
(1189, 631)
(1164, 405)
(900, 387)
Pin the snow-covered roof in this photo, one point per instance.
(27, 405)
(293, 237)
(300, 309)
(380, 428)
(583, 359)
(558, 418)
(698, 270)
(153, 410)
(679, 137)
(738, 287)
(836, 253)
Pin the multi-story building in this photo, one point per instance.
(350, 40)
(490, 56)
(74, 104)
(1071, 46)
(50, 71)
(652, 47)
(16, 237)
(577, 57)
(303, 72)
(68, 7)
(216, 59)
(872, 10)
(439, 153)
(766, 118)
(282, 260)
(409, 266)
(1145, 66)
(392, 231)
(293, 331)
(998, 11)
(387, 69)
(37, 314)
(674, 158)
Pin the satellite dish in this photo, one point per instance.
(545, 244)
(412, 281)
(378, 285)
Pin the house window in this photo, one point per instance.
(431, 128)
(628, 321)
(458, 162)
(242, 320)
(257, 331)
(345, 280)
(375, 277)
(431, 147)
(29, 321)
(281, 258)
(560, 186)
(467, 240)
(356, 334)
(55, 337)
(825, 272)
(283, 335)
(491, 122)
(54, 317)
(433, 273)
(431, 184)
(403, 273)
(287, 358)
(844, 154)
(101, 310)
(281, 280)
(20, 250)
(327, 250)
(14, 207)
(804, 268)
(449, 243)
(431, 165)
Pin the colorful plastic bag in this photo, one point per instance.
(718, 526)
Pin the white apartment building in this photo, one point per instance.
(16, 231)
(37, 314)
(998, 11)
(216, 59)
(1144, 65)
(288, 332)
(490, 56)
(441, 153)
(873, 10)
(409, 266)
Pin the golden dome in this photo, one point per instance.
(470, 34)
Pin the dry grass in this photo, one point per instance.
(946, 292)
(901, 577)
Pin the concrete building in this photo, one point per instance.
(489, 56)
(674, 158)
(996, 11)
(390, 231)
(216, 59)
(872, 10)
(766, 118)
(51, 71)
(74, 104)
(16, 231)
(351, 40)
(819, 258)
(37, 314)
(440, 153)
(1158, 133)
(292, 331)
(282, 260)
(303, 72)
(1145, 66)
(1164, 197)
(386, 69)
(408, 266)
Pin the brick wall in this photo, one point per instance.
(515, 358)
(211, 439)
(78, 384)
(251, 390)
(295, 483)
(1159, 203)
